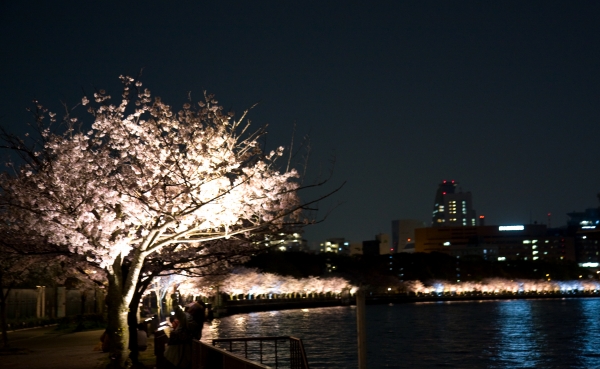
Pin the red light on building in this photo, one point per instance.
(482, 217)
(443, 193)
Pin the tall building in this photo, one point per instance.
(451, 208)
(403, 234)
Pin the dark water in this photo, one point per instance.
(557, 333)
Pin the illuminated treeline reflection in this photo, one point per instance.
(500, 286)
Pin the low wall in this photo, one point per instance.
(246, 306)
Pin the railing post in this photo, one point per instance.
(261, 360)
(361, 329)
(276, 364)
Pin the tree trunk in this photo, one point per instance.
(3, 324)
(117, 327)
(133, 338)
(122, 282)
(134, 306)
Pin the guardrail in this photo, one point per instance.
(251, 352)
(205, 356)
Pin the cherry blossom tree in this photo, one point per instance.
(143, 178)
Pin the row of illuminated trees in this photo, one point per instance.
(249, 283)
(501, 286)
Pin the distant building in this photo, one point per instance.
(335, 245)
(590, 218)
(381, 245)
(451, 208)
(403, 234)
(356, 248)
(286, 241)
(584, 226)
(499, 243)
(385, 244)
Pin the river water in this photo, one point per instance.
(544, 333)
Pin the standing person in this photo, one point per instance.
(179, 347)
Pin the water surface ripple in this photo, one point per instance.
(502, 334)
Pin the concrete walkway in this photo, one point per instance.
(44, 348)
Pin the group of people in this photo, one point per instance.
(185, 326)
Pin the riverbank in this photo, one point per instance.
(232, 307)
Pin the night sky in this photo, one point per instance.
(503, 97)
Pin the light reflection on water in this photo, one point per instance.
(588, 331)
(518, 336)
(557, 333)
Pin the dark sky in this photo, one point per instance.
(503, 96)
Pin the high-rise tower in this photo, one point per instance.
(452, 208)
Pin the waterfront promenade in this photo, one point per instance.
(45, 348)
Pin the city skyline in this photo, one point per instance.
(501, 97)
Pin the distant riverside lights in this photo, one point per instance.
(588, 265)
(511, 228)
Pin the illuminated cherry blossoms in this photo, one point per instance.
(250, 283)
(141, 178)
(501, 286)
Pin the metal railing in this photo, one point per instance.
(205, 356)
(266, 350)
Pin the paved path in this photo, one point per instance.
(45, 348)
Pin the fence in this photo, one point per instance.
(24, 303)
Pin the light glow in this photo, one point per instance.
(511, 228)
